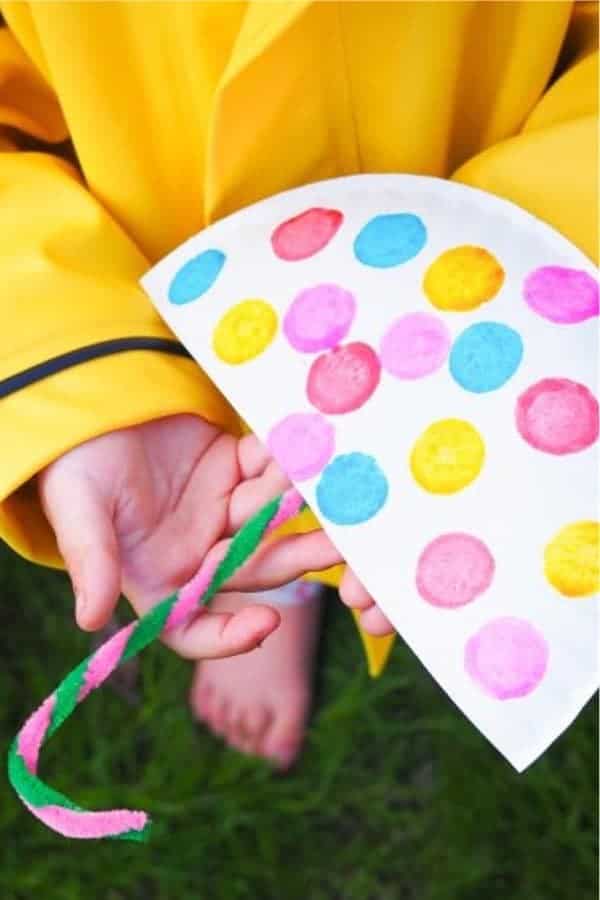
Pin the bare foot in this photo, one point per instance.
(259, 702)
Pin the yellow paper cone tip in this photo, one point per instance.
(377, 649)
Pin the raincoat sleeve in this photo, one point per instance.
(82, 351)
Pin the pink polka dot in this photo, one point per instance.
(453, 570)
(305, 234)
(415, 345)
(562, 295)
(343, 379)
(558, 416)
(302, 444)
(319, 318)
(507, 658)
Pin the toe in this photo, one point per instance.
(233, 734)
(219, 722)
(202, 694)
(283, 741)
(253, 727)
(246, 729)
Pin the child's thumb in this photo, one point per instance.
(80, 517)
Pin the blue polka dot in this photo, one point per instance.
(485, 356)
(196, 276)
(351, 489)
(390, 240)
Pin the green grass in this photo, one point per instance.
(396, 798)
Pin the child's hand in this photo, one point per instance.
(137, 510)
(354, 595)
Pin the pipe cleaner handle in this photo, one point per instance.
(53, 808)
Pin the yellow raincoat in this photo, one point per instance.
(179, 113)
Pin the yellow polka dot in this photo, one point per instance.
(463, 278)
(448, 456)
(245, 331)
(572, 559)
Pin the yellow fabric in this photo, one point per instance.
(179, 113)
(377, 649)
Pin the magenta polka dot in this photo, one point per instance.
(558, 416)
(507, 658)
(415, 345)
(305, 234)
(343, 379)
(319, 318)
(302, 444)
(562, 295)
(454, 570)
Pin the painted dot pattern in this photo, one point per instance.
(453, 570)
(485, 356)
(245, 331)
(416, 345)
(572, 559)
(507, 658)
(463, 278)
(302, 444)
(342, 380)
(306, 234)
(448, 456)
(558, 416)
(196, 277)
(352, 489)
(390, 240)
(319, 318)
(562, 295)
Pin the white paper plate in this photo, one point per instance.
(521, 498)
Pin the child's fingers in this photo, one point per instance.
(374, 622)
(251, 495)
(253, 457)
(281, 561)
(87, 542)
(352, 593)
(213, 635)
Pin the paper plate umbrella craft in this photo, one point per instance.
(421, 358)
